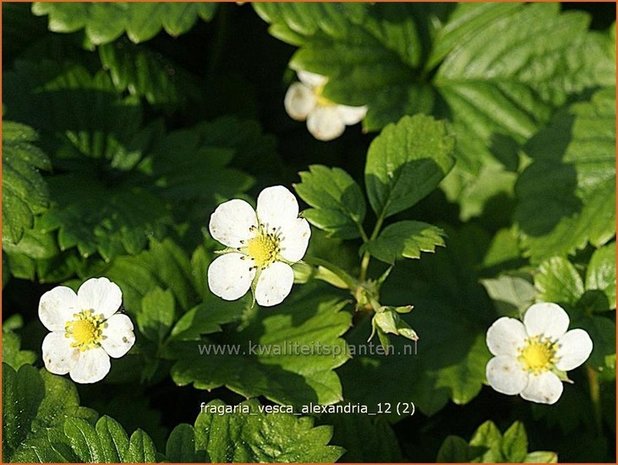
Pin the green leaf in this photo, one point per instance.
(566, 196)
(34, 403)
(22, 393)
(157, 314)
(141, 448)
(541, 457)
(515, 443)
(337, 200)
(164, 264)
(288, 356)
(406, 162)
(406, 239)
(12, 354)
(113, 438)
(558, 281)
(488, 439)
(25, 192)
(512, 294)
(181, 447)
(97, 219)
(365, 439)
(240, 437)
(369, 53)
(453, 449)
(601, 273)
(208, 317)
(451, 315)
(147, 74)
(106, 22)
(488, 445)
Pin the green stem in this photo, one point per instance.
(595, 397)
(367, 256)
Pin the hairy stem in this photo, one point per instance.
(595, 397)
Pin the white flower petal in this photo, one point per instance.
(274, 284)
(506, 336)
(295, 239)
(351, 115)
(56, 307)
(546, 319)
(299, 101)
(231, 222)
(506, 375)
(118, 335)
(58, 355)
(230, 276)
(325, 123)
(311, 79)
(276, 207)
(100, 295)
(574, 348)
(545, 388)
(91, 366)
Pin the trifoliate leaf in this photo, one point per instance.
(147, 74)
(25, 193)
(489, 445)
(251, 435)
(337, 200)
(163, 265)
(107, 21)
(451, 316)
(566, 196)
(405, 239)
(193, 164)
(96, 218)
(288, 356)
(406, 162)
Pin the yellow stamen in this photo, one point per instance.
(86, 329)
(264, 247)
(538, 355)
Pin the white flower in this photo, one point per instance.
(326, 120)
(529, 356)
(261, 245)
(85, 329)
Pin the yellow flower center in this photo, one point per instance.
(320, 99)
(86, 330)
(538, 355)
(264, 247)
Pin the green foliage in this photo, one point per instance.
(24, 190)
(588, 301)
(566, 196)
(298, 346)
(147, 74)
(337, 200)
(261, 437)
(12, 354)
(406, 239)
(104, 23)
(489, 445)
(406, 162)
